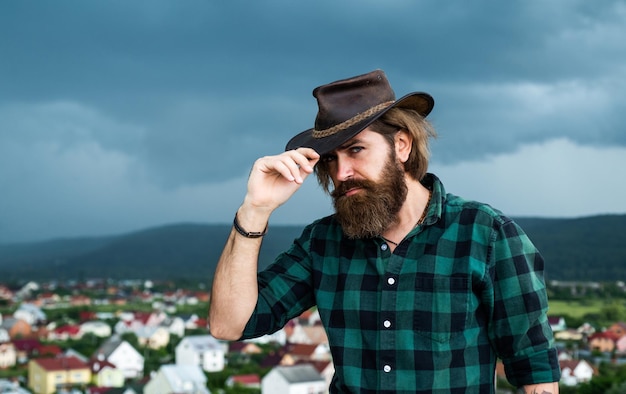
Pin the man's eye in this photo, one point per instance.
(356, 149)
(328, 158)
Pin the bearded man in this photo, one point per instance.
(420, 291)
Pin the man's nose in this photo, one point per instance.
(344, 169)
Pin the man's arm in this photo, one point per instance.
(541, 388)
(272, 181)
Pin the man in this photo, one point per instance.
(419, 291)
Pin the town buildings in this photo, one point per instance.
(295, 359)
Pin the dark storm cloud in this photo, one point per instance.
(182, 94)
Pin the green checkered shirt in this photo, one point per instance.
(461, 290)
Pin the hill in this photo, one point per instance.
(180, 251)
(591, 248)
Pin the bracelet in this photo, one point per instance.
(248, 234)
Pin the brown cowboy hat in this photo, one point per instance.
(348, 106)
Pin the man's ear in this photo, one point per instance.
(403, 145)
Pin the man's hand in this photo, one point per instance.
(274, 179)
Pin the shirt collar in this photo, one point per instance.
(435, 208)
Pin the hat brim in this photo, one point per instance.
(421, 102)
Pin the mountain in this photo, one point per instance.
(590, 248)
(180, 251)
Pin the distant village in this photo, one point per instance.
(296, 357)
(37, 353)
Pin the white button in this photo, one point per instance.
(384, 246)
(391, 281)
(387, 368)
(387, 323)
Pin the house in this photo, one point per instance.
(27, 290)
(16, 327)
(620, 345)
(133, 321)
(557, 323)
(72, 352)
(6, 295)
(48, 375)
(202, 350)
(619, 329)
(4, 334)
(80, 300)
(8, 355)
(85, 316)
(152, 319)
(325, 368)
(175, 325)
(272, 359)
(105, 374)
(242, 347)
(26, 348)
(603, 341)
(49, 350)
(177, 379)
(11, 387)
(193, 322)
(308, 334)
(153, 337)
(586, 329)
(301, 352)
(294, 379)
(65, 332)
(574, 372)
(121, 354)
(569, 334)
(97, 328)
(251, 381)
(279, 337)
(47, 299)
(30, 313)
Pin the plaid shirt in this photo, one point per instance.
(461, 290)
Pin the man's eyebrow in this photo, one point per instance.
(350, 143)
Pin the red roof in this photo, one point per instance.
(61, 363)
(87, 315)
(246, 379)
(301, 349)
(26, 345)
(68, 329)
(319, 365)
(49, 350)
(142, 317)
(554, 319)
(605, 335)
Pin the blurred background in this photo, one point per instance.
(117, 116)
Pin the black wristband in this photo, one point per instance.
(248, 234)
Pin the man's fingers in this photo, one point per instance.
(291, 165)
(305, 158)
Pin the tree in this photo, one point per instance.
(613, 311)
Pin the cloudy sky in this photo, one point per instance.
(120, 115)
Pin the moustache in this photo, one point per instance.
(345, 186)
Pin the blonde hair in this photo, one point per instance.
(388, 125)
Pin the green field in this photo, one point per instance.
(576, 309)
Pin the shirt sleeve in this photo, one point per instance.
(285, 290)
(520, 330)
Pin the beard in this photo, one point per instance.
(374, 208)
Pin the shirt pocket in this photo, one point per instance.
(441, 306)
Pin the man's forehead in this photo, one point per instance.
(359, 138)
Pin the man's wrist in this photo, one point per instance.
(248, 234)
